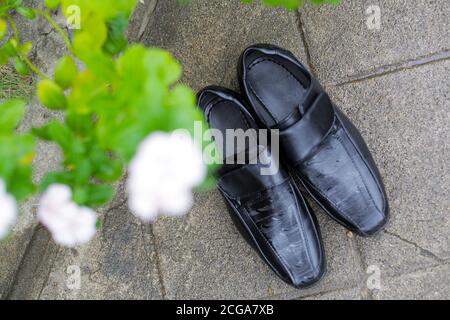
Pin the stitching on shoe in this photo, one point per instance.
(380, 189)
(323, 194)
(246, 226)
(255, 63)
(208, 114)
(305, 239)
(263, 103)
(282, 261)
(357, 170)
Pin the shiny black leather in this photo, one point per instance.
(269, 210)
(323, 149)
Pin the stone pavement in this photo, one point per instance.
(393, 83)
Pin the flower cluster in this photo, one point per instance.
(69, 223)
(163, 173)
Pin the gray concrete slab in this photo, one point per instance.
(207, 36)
(404, 118)
(343, 47)
(430, 284)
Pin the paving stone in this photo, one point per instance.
(342, 46)
(404, 118)
(431, 284)
(207, 36)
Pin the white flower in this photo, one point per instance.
(8, 210)
(166, 168)
(68, 223)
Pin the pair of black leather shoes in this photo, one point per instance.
(321, 150)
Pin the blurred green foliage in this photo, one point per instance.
(119, 96)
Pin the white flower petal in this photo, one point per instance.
(8, 210)
(177, 204)
(69, 223)
(143, 208)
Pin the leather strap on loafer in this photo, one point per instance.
(248, 180)
(300, 139)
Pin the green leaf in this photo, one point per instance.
(26, 12)
(162, 64)
(100, 194)
(116, 40)
(3, 28)
(11, 114)
(93, 195)
(17, 152)
(25, 48)
(52, 4)
(22, 186)
(21, 67)
(57, 132)
(56, 178)
(4, 58)
(51, 95)
(65, 72)
(10, 47)
(105, 167)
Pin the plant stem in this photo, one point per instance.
(13, 26)
(62, 33)
(24, 57)
(32, 66)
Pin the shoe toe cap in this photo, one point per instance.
(373, 222)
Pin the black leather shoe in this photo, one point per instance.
(269, 210)
(324, 150)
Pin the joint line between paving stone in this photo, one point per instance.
(361, 262)
(302, 33)
(23, 260)
(423, 251)
(49, 271)
(158, 264)
(16, 273)
(319, 294)
(396, 67)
